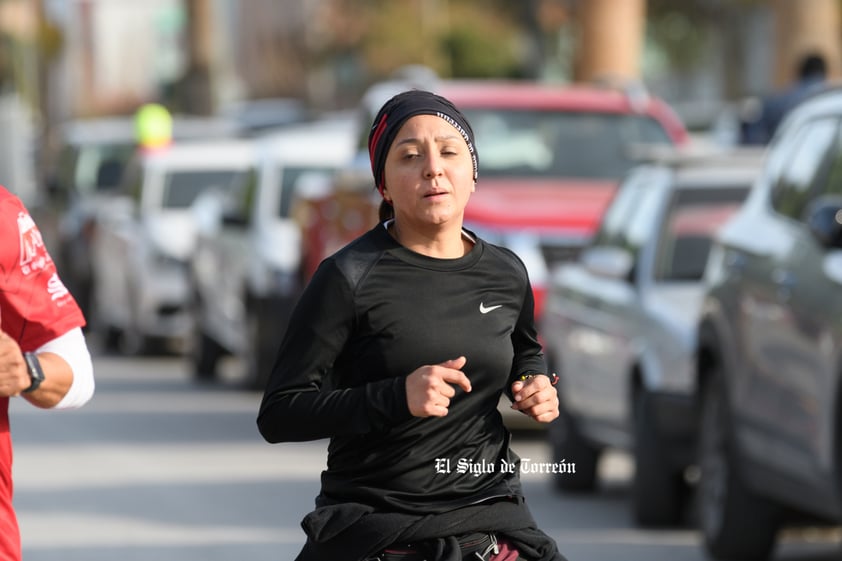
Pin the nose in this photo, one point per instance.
(433, 167)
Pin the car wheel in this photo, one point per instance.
(735, 523)
(131, 342)
(571, 448)
(111, 339)
(204, 354)
(657, 487)
(262, 346)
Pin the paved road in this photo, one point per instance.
(157, 468)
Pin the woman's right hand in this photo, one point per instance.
(430, 388)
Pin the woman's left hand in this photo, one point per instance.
(536, 397)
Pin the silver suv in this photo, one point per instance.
(770, 345)
(619, 326)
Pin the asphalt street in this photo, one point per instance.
(158, 468)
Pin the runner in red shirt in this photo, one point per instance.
(43, 354)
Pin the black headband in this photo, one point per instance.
(397, 111)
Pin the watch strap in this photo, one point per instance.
(36, 373)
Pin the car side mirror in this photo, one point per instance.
(608, 261)
(824, 220)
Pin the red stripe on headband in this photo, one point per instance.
(372, 145)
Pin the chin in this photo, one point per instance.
(444, 219)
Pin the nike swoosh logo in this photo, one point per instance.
(484, 310)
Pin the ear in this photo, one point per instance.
(473, 186)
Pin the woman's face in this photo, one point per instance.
(429, 174)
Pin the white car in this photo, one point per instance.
(86, 168)
(619, 327)
(147, 233)
(246, 269)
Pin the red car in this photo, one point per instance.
(550, 159)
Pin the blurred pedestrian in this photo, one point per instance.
(43, 354)
(399, 350)
(759, 126)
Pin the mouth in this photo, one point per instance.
(434, 194)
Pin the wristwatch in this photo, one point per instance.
(36, 373)
(552, 376)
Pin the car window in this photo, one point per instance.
(132, 180)
(290, 177)
(831, 183)
(64, 171)
(100, 166)
(692, 218)
(240, 200)
(182, 187)
(610, 230)
(800, 164)
(628, 221)
(556, 144)
(639, 228)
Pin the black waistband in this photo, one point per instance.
(480, 545)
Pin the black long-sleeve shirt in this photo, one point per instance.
(371, 315)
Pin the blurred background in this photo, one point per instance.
(65, 59)
(189, 163)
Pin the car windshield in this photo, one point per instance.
(182, 187)
(551, 144)
(693, 218)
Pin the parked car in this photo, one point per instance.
(90, 155)
(246, 268)
(619, 326)
(146, 233)
(550, 158)
(89, 162)
(770, 345)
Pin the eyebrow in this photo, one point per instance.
(414, 140)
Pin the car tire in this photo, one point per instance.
(735, 522)
(657, 489)
(264, 338)
(131, 342)
(205, 354)
(572, 449)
